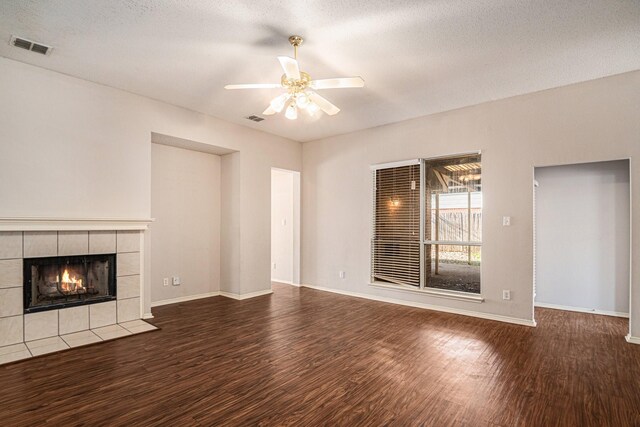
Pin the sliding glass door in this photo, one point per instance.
(427, 230)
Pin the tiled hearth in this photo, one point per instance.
(15, 352)
(33, 334)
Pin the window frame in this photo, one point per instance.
(444, 293)
(374, 238)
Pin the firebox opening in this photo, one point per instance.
(66, 281)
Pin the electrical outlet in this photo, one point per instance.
(176, 281)
(506, 294)
(165, 281)
(506, 221)
(341, 274)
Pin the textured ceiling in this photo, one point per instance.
(416, 57)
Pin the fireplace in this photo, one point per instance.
(67, 281)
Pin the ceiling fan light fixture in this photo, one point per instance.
(278, 102)
(292, 111)
(302, 101)
(312, 108)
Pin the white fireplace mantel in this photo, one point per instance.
(73, 224)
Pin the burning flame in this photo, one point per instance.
(70, 283)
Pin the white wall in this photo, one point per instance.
(297, 225)
(230, 221)
(102, 137)
(185, 238)
(592, 121)
(72, 148)
(582, 236)
(282, 226)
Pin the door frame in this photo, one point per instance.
(534, 221)
(296, 218)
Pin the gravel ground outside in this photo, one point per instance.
(456, 276)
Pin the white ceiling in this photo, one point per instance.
(416, 57)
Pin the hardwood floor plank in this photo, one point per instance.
(302, 357)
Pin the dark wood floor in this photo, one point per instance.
(302, 357)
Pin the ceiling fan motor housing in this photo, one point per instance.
(296, 86)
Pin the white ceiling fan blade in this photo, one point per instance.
(338, 83)
(255, 86)
(290, 67)
(269, 111)
(324, 105)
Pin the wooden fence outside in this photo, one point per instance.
(454, 225)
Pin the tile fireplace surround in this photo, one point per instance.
(26, 335)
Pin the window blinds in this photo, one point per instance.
(396, 225)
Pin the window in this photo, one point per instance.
(429, 210)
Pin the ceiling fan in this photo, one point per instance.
(300, 88)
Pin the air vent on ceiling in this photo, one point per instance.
(30, 45)
(255, 118)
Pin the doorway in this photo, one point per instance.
(285, 226)
(582, 237)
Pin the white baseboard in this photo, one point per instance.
(184, 299)
(286, 282)
(207, 295)
(246, 296)
(488, 316)
(632, 340)
(147, 316)
(582, 310)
